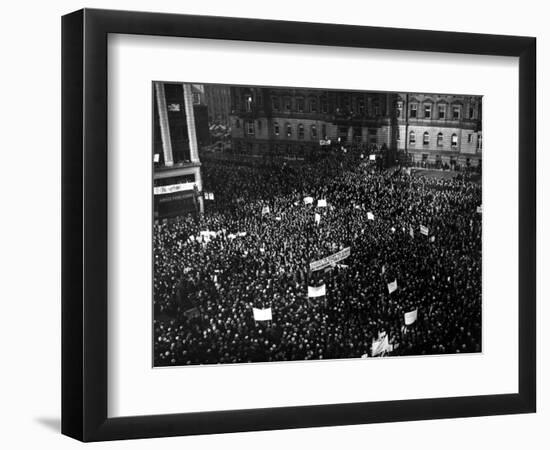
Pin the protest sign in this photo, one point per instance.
(316, 291)
(381, 346)
(262, 314)
(336, 257)
(411, 317)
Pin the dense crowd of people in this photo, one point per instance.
(205, 285)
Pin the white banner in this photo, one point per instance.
(317, 218)
(322, 203)
(316, 291)
(265, 210)
(262, 314)
(156, 157)
(308, 200)
(411, 317)
(424, 230)
(336, 257)
(159, 190)
(324, 142)
(372, 157)
(370, 216)
(392, 286)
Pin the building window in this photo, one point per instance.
(346, 102)
(324, 131)
(237, 123)
(471, 112)
(454, 141)
(288, 130)
(259, 125)
(276, 128)
(470, 138)
(250, 127)
(196, 98)
(427, 111)
(300, 104)
(313, 105)
(479, 142)
(414, 111)
(439, 139)
(399, 109)
(376, 109)
(456, 112)
(288, 104)
(275, 103)
(248, 102)
(313, 132)
(324, 105)
(300, 131)
(425, 138)
(412, 138)
(441, 111)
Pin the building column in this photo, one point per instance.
(192, 135)
(164, 125)
(190, 116)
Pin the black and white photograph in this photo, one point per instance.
(295, 224)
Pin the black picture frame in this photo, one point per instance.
(84, 224)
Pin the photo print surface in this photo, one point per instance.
(295, 224)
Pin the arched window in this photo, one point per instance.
(237, 123)
(300, 131)
(412, 138)
(288, 130)
(454, 141)
(276, 128)
(275, 103)
(426, 138)
(440, 139)
(313, 132)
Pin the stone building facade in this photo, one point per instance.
(440, 129)
(419, 128)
